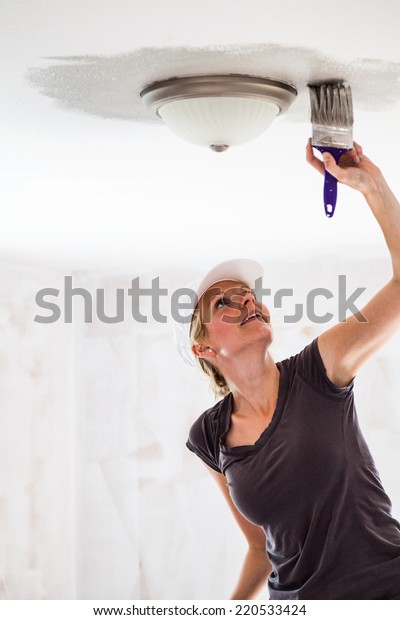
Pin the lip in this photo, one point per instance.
(257, 315)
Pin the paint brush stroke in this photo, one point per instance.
(109, 86)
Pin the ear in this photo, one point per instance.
(203, 351)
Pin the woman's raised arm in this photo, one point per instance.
(348, 345)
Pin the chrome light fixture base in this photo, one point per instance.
(218, 110)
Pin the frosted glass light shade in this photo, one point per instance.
(213, 121)
(218, 110)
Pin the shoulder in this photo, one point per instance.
(302, 361)
(308, 364)
(206, 431)
(210, 421)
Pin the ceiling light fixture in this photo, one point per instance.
(218, 111)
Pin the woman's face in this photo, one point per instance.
(233, 318)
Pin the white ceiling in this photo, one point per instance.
(90, 180)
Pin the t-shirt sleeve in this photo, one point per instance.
(203, 442)
(311, 367)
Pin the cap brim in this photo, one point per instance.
(242, 270)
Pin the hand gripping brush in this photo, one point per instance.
(332, 129)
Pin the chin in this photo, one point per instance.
(265, 337)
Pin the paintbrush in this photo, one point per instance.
(332, 129)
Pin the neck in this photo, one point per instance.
(254, 387)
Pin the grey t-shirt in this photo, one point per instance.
(311, 483)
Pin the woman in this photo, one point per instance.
(284, 444)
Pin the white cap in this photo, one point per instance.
(242, 270)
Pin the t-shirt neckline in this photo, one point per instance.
(267, 432)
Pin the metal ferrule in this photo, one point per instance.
(337, 137)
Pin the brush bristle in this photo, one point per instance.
(331, 104)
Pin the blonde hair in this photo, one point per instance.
(197, 332)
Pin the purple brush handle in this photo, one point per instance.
(330, 183)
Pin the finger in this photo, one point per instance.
(359, 149)
(354, 155)
(341, 174)
(309, 148)
(312, 160)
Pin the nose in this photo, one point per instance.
(248, 299)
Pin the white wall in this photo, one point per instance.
(37, 446)
(100, 499)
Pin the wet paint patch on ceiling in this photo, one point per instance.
(109, 86)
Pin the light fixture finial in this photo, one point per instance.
(219, 148)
